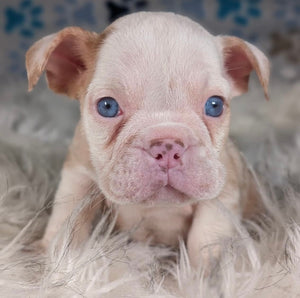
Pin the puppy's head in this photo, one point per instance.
(154, 90)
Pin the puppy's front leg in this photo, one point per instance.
(211, 223)
(74, 187)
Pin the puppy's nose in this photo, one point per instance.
(167, 152)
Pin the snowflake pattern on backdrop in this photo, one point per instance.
(241, 11)
(25, 18)
(70, 12)
(288, 11)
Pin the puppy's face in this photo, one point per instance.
(159, 144)
(155, 97)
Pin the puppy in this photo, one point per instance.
(154, 92)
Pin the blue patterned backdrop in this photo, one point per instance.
(273, 25)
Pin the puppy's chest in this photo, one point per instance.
(160, 225)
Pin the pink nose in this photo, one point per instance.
(167, 152)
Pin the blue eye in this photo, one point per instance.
(108, 107)
(214, 106)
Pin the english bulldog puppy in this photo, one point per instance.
(155, 91)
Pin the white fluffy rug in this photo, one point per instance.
(35, 131)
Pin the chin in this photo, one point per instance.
(167, 195)
(164, 196)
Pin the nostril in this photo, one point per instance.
(176, 156)
(158, 156)
(167, 153)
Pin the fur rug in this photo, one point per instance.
(262, 260)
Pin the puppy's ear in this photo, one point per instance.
(240, 58)
(67, 57)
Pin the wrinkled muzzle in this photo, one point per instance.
(166, 162)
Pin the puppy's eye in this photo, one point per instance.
(108, 107)
(214, 106)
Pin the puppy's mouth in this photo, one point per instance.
(165, 190)
(167, 194)
(141, 180)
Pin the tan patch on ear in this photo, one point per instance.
(240, 59)
(36, 59)
(90, 53)
(68, 57)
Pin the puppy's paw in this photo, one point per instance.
(205, 258)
